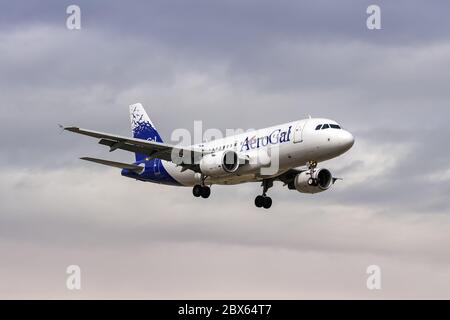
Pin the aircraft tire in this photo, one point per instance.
(267, 202)
(259, 201)
(205, 192)
(197, 190)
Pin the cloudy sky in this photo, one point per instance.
(231, 64)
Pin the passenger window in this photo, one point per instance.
(325, 126)
(318, 127)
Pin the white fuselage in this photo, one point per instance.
(293, 144)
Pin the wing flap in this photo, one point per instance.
(127, 147)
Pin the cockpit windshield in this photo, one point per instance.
(327, 126)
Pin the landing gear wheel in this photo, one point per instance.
(311, 181)
(205, 192)
(263, 201)
(267, 202)
(197, 190)
(259, 201)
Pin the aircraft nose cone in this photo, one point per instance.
(347, 140)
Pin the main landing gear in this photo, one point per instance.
(201, 191)
(263, 200)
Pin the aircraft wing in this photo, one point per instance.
(288, 176)
(150, 148)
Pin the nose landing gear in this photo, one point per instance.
(263, 200)
(311, 166)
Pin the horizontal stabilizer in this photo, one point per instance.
(129, 166)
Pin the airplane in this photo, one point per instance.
(293, 149)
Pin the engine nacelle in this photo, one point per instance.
(219, 163)
(320, 180)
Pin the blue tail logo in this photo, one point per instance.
(142, 127)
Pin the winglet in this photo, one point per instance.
(71, 129)
(61, 127)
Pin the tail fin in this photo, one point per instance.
(142, 127)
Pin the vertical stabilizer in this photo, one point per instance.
(142, 127)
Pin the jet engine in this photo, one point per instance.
(219, 163)
(314, 181)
